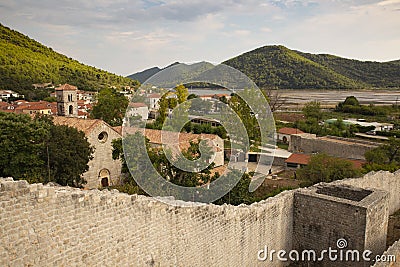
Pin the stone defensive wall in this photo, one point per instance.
(331, 145)
(43, 225)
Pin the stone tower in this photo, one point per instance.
(67, 100)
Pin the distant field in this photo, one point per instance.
(332, 97)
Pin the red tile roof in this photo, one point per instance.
(302, 159)
(154, 96)
(290, 131)
(137, 105)
(158, 136)
(84, 125)
(67, 87)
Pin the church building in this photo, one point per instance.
(103, 170)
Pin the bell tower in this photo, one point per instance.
(67, 100)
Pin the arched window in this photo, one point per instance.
(71, 109)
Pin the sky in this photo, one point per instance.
(124, 37)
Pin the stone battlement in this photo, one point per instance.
(45, 225)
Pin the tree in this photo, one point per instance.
(312, 110)
(41, 151)
(240, 192)
(110, 107)
(274, 97)
(351, 101)
(22, 151)
(68, 154)
(181, 93)
(324, 168)
(163, 104)
(384, 157)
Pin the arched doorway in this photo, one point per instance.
(104, 177)
(71, 110)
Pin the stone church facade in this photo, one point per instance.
(103, 170)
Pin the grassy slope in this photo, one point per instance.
(24, 61)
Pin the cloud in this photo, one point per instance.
(124, 36)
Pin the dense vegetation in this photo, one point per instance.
(324, 168)
(280, 67)
(42, 152)
(110, 107)
(24, 62)
(376, 74)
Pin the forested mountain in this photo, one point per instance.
(278, 66)
(376, 74)
(24, 61)
(144, 75)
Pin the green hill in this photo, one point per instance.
(144, 75)
(24, 61)
(280, 67)
(375, 74)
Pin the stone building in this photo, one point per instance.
(138, 109)
(283, 134)
(153, 99)
(67, 100)
(103, 170)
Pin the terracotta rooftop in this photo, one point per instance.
(302, 159)
(137, 105)
(290, 131)
(154, 96)
(154, 137)
(84, 125)
(66, 87)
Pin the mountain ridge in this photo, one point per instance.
(277, 66)
(24, 61)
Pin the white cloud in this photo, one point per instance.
(124, 36)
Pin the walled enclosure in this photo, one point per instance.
(331, 145)
(60, 226)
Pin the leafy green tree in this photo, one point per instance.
(181, 93)
(324, 168)
(110, 107)
(351, 101)
(312, 110)
(246, 115)
(68, 153)
(240, 192)
(384, 157)
(41, 151)
(163, 104)
(22, 150)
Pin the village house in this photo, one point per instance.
(87, 96)
(138, 109)
(41, 107)
(7, 94)
(283, 134)
(153, 100)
